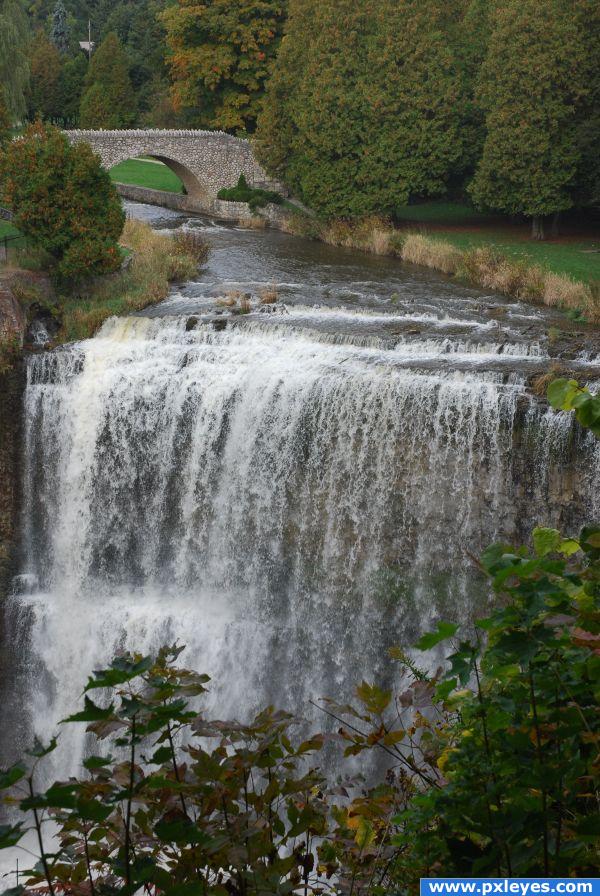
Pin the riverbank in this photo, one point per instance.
(484, 264)
(152, 262)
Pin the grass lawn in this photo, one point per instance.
(579, 259)
(7, 229)
(439, 212)
(577, 255)
(147, 173)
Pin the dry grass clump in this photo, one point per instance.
(245, 304)
(190, 242)
(562, 291)
(539, 384)
(269, 295)
(419, 249)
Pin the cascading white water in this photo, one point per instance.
(285, 503)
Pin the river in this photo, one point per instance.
(287, 492)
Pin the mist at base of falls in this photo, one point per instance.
(288, 494)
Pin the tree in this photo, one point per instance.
(14, 65)
(364, 107)
(5, 122)
(45, 88)
(60, 34)
(108, 100)
(220, 55)
(64, 201)
(587, 192)
(530, 85)
(73, 76)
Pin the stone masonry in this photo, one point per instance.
(206, 161)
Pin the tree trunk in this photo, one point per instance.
(555, 224)
(537, 227)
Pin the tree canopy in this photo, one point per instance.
(220, 55)
(363, 110)
(15, 34)
(531, 152)
(108, 100)
(63, 200)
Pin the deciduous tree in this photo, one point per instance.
(220, 55)
(63, 200)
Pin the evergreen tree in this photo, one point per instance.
(530, 85)
(221, 54)
(73, 76)
(108, 100)
(587, 191)
(63, 200)
(60, 30)
(14, 66)
(45, 93)
(5, 122)
(364, 108)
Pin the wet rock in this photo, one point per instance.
(191, 324)
(219, 325)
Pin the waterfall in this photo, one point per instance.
(286, 503)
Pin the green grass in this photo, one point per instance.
(8, 230)
(578, 259)
(441, 213)
(146, 173)
(465, 227)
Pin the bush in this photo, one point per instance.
(243, 193)
(63, 201)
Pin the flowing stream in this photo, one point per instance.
(287, 492)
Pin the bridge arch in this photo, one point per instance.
(205, 161)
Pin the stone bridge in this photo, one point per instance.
(206, 161)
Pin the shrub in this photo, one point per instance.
(63, 201)
(254, 197)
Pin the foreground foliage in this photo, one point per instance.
(492, 762)
(63, 201)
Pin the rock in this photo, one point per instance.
(219, 325)
(191, 324)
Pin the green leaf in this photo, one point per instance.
(39, 750)
(444, 630)
(561, 393)
(122, 669)
(10, 835)
(91, 713)
(10, 776)
(95, 762)
(546, 540)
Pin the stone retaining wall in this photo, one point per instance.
(236, 212)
